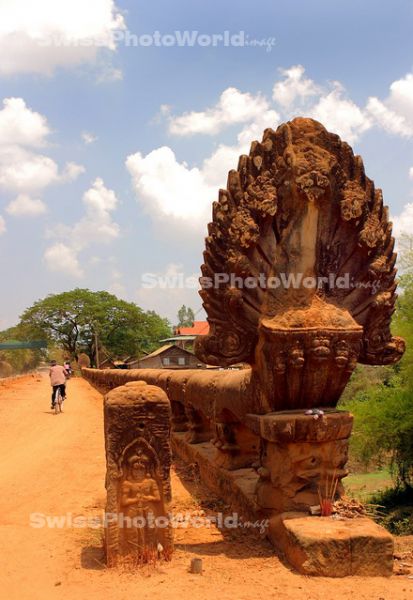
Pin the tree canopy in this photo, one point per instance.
(381, 399)
(73, 320)
(186, 316)
(19, 360)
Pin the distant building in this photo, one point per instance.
(184, 337)
(107, 362)
(169, 356)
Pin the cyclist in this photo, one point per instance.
(58, 375)
(68, 367)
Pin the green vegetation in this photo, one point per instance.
(82, 321)
(186, 316)
(20, 361)
(364, 486)
(394, 509)
(381, 400)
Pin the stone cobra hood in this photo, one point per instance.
(301, 219)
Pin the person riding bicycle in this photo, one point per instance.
(68, 367)
(58, 376)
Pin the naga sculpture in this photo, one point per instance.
(299, 282)
(299, 273)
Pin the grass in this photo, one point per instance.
(394, 508)
(365, 485)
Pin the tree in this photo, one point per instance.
(75, 319)
(383, 407)
(186, 316)
(21, 361)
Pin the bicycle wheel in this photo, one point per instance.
(58, 402)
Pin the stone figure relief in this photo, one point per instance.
(140, 500)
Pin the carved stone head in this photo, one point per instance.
(301, 219)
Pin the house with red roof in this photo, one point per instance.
(184, 337)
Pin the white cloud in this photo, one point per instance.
(116, 285)
(95, 227)
(215, 168)
(401, 97)
(24, 205)
(24, 171)
(297, 94)
(88, 138)
(61, 258)
(294, 87)
(403, 223)
(167, 187)
(232, 107)
(23, 168)
(388, 119)
(395, 113)
(341, 115)
(99, 200)
(21, 126)
(166, 291)
(254, 131)
(108, 74)
(2, 225)
(71, 172)
(38, 37)
(171, 189)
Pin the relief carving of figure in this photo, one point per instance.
(140, 501)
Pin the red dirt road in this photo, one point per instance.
(54, 466)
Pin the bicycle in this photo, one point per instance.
(58, 402)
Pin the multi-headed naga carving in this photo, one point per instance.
(303, 246)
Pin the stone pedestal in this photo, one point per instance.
(236, 445)
(300, 456)
(198, 429)
(329, 547)
(298, 367)
(138, 460)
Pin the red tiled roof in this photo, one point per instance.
(198, 328)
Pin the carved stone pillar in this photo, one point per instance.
(236, 445)
(300, 455)
(138, 460)
(179, 420)
(198, 428)
(307, 366)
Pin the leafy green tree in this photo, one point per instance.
(382, 402)
(186, 316)
(75, 320)
(21, 361)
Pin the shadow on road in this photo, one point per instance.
(92, 558)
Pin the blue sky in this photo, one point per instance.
(75, 211)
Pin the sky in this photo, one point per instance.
(120, 121)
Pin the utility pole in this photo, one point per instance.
(97, 350)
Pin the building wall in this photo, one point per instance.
(169, 359)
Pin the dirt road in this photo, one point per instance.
(53, 466)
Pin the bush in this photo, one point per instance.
(381, 399)
(395, 510)
(383, 428)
